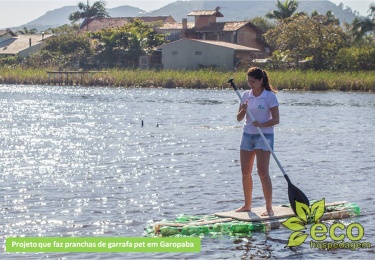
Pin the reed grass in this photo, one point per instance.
(199, 79)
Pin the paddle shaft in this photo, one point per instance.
(260, 132)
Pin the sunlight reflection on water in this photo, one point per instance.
(76, 161)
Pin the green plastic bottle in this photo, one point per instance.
(248, 227)
(186, 218)
(258, 226)
(169, 231)
(240, 228)
(355, 208)
(194, 230)
(222, 227)
(182, 218)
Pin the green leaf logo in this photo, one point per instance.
(317, 210)
(294, 223)
(297, 238)
(305, 215)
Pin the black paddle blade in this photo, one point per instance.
(296, 194)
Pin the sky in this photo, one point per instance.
(17, 12)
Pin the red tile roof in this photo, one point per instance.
(97, 24)
(175, 26)
(206, 13)
(223, 27)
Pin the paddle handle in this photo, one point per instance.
(230, 81)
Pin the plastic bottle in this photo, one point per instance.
(223, 227)
(355, 208)
(194, 230)
(245, 228)
(186, 218)
(169, 231)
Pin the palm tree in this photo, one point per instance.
(331, 19)
(27, 31)
(327, 19)
(87, 11)
(361, 26)
(284, 10)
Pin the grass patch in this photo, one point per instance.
(197, 79)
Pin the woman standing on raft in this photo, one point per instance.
(261, 101)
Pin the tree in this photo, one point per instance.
(263, 24)
(331, 18)
(87, 11)
(356, 58)
(66, 49)
(27, 31)
(362, 26)
(284, 10)
(307, 37)
(124, 46)
(327, 19)
(64, 29)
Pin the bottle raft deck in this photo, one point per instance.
(240, 223)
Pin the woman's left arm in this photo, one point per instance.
(275, 118)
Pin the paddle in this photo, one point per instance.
(294, 193)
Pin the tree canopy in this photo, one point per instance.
(284, 10)
(27, 31)
(88, 11)
(308, 38)
(125, 45)
(362, 26)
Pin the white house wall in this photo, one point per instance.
(187, 54)
(5, 37)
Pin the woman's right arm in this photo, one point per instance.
(241, 112)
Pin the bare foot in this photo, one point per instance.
(268, 213)
(244, 208)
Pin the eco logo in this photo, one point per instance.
(319, 232)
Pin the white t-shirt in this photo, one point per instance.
(259, 107)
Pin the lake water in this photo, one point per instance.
(76, 161)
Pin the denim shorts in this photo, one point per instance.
(250, 142)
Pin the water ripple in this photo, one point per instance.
(77, 162)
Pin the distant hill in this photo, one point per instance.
(125, 11)
(244, 10)
(232, 11)
(58, 17)
(51, 19)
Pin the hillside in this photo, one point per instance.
(58, 17)
(232, 11)
(244, 10)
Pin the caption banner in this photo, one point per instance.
(102, 244)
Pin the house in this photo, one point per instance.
(194, 54)
(219, 44)
(21, 45)
(104, 23)
(206, 27)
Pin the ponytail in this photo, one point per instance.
(258, 73)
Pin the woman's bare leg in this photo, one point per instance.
(263, 160)
(247, 162)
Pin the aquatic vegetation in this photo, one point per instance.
(198, 79)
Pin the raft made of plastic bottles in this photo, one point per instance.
(200, 225)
